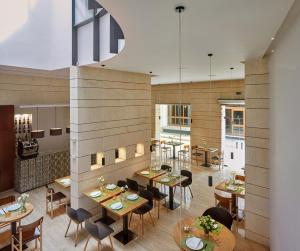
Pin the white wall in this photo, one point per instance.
(285, 140)
(35, 33)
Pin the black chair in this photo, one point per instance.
(166, 168)
(146, 208)
(157, 196)
(221, 215)
(98, 231)
(54, 197)
(186, 183)
(121, 183)
(134, 186)
(79, 216)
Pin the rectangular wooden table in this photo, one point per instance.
(239, 193)
(206, 150)
(174, 182)
(65, 184)
(106, 195)
(152, 174)
(125, 236)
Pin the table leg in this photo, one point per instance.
(125, 236)
(151, 182)
(13, 229)
(172, 203)
(206, 164)
(105, 218)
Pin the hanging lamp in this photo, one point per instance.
(55, 131)
(37, 134)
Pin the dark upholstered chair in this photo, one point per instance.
(121, 183)
(186, 183)
(27, 233)
(52, 198)
(78, 216)
(134, 186)
(157, 196)
(146, 208)
(98, 231)
(221, 215)
(166, 168)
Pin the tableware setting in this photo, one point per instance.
(110, 186)
(95, 194)
(165, 180)
(145, 172)
(194, 243)
(116, 206)
(13, 207)
(66, 181)
(132, 197)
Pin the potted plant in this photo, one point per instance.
(207, 223)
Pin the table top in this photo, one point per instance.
(174, 143)
(15, 215)
(61, 183)
(174, 180)
(106, 193)
(239, 192)
(207, 149)
(152, 174)
(128, 205)
(223, 241)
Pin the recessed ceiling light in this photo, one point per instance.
(103, 65)
(272, 38)
(272, 51)
(150, 72)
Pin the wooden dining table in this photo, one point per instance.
(206, 150)
(13, 217)
(174, 181)
(224, 240)
(152, 174)
(106, 194)
(126, 235)
(64, 182)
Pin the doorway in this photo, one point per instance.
(233, 135)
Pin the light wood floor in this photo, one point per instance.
(155, 238)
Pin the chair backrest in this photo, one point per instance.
(223, 201)
(187, 173)
(221, 215)
(132, 185)
(92, 229)
(7, 200)
(29, 231)
(154, 191)
(147, 195)
(166, 168)
(121, 183)
(72, 213)
(240, 177)
(49, 190)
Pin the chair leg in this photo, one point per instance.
(98, 245)
(110, 240)
(142, 224)
(68, 228)
(184, 195)
(151, 218)
(35, 244)
(76, 240)
(158, 206)
(191, 191)
(12, 243)
(87, 241)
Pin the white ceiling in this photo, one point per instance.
(234, 30)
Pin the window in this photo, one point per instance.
(179, 115)
(235, 121)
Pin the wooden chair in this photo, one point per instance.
(196, 154)
(144, 209)
(4, 201)
(218, 159)
(98, 231)
(221, 201)
(52, 198)
(157, 196)
(78, 216)
(164, 150)
(27, 233)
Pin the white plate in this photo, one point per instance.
(194, 243)
(156, 168)
(13, 207)
(95, 194)
(132, 197)
(116, 206)
(2, 212)
(165, 180)
(175, 175)
(145, 172)
(111, 186)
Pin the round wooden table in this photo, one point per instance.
(16, 216)
(224, 241)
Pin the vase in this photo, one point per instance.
(206, 233)
(23, 207)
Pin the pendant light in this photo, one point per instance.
(56, 131)
(37, 134)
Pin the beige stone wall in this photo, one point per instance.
(109, 109)
(257, 151)
(20, 89)
(206, 111)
